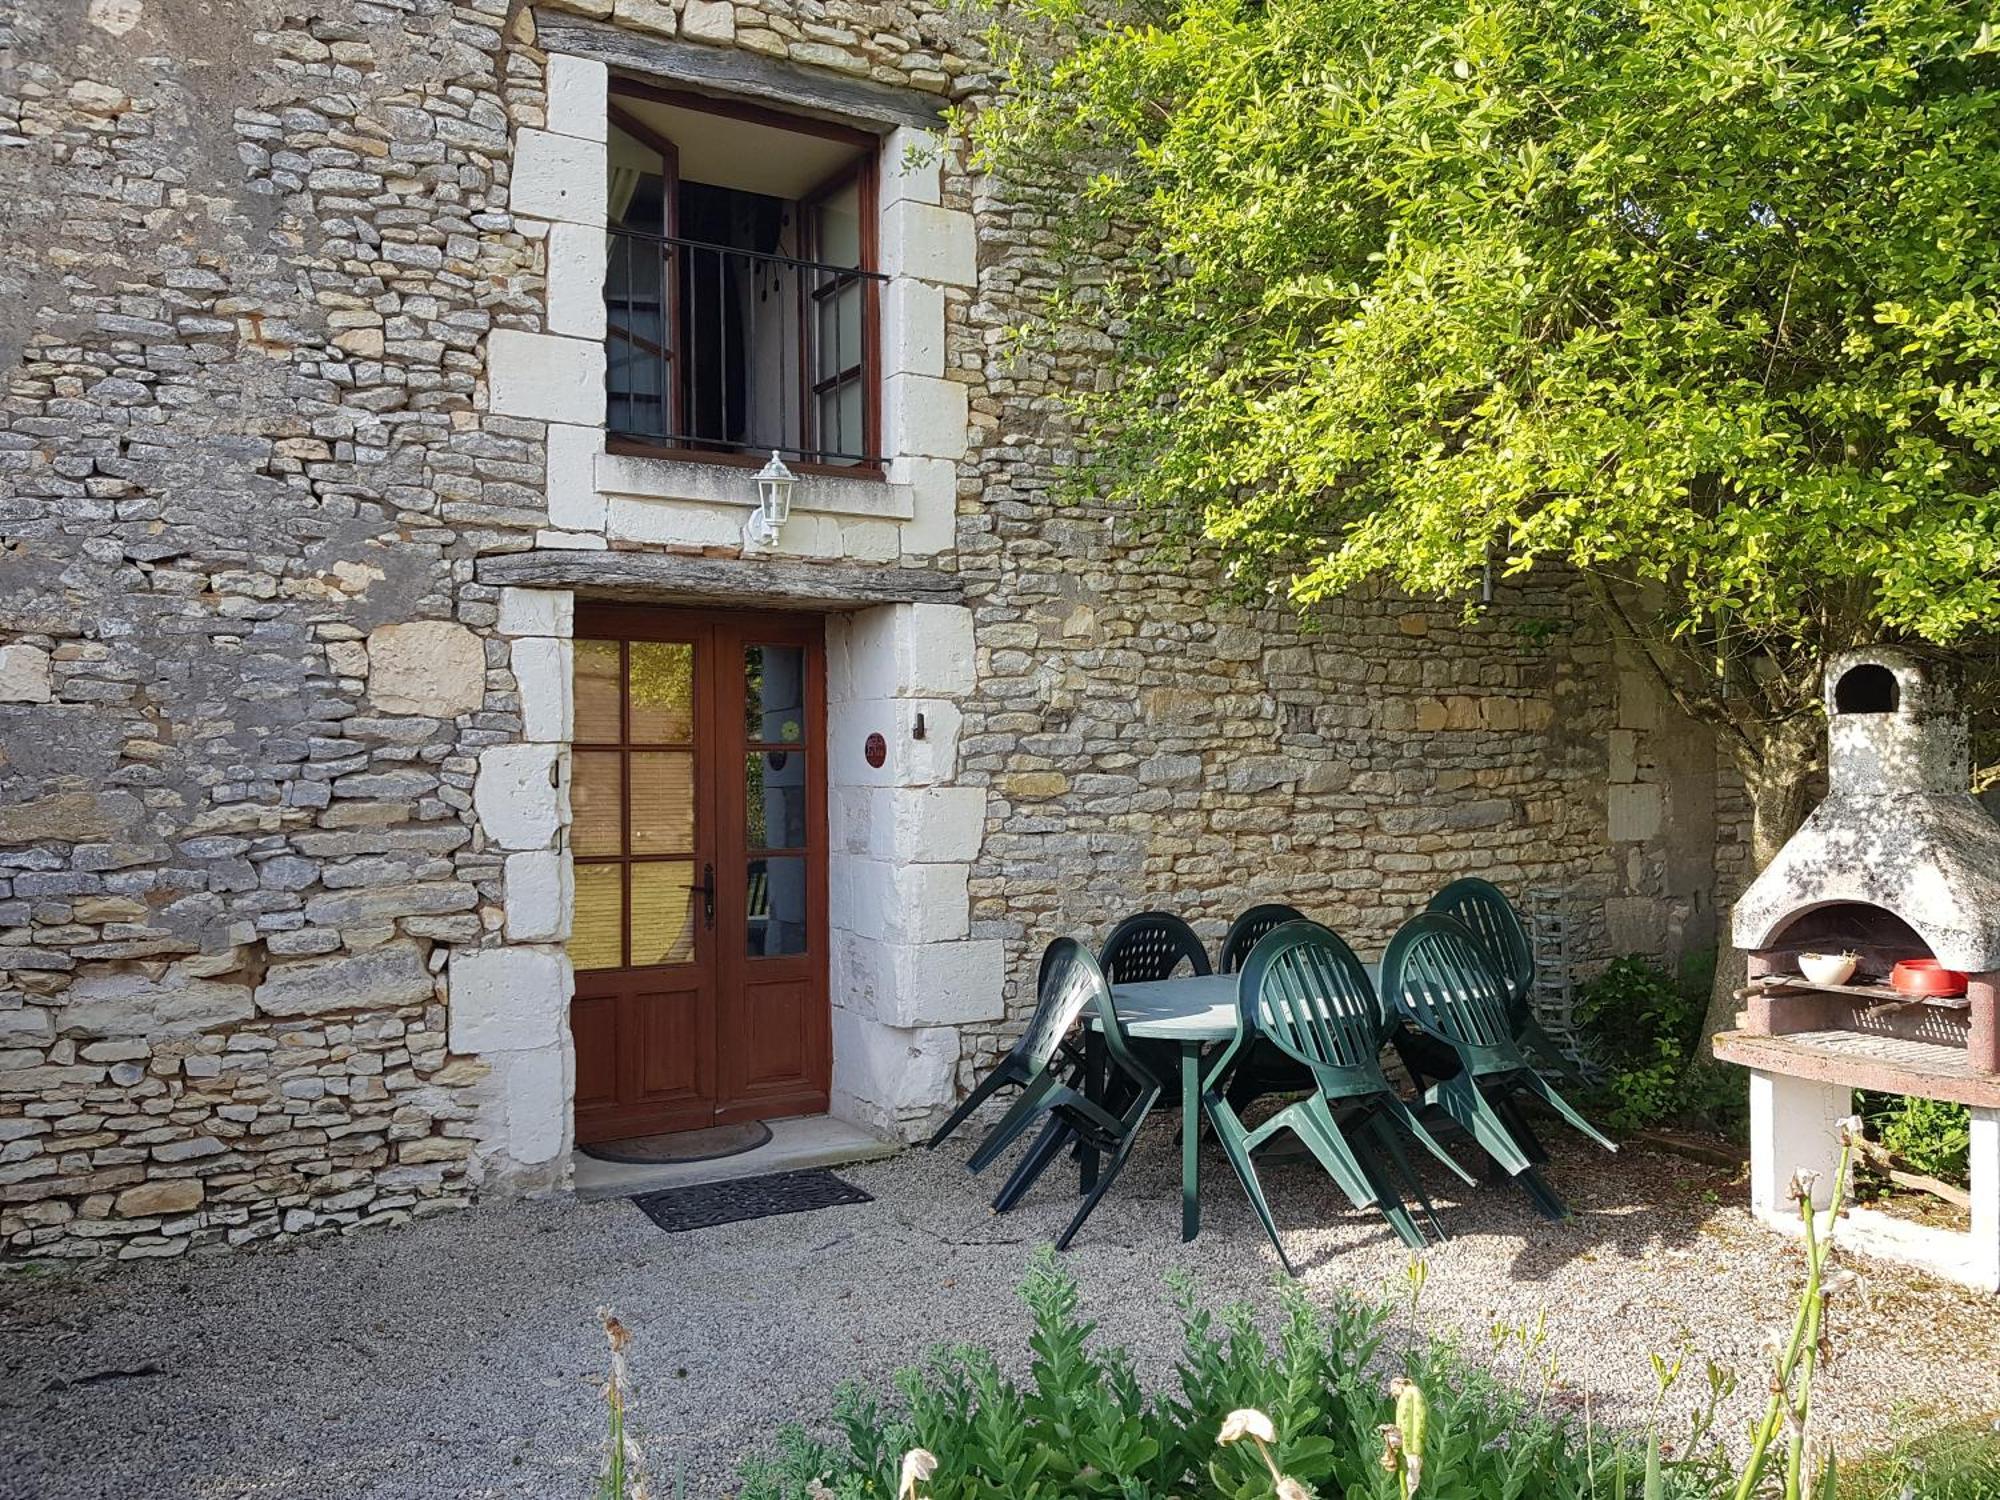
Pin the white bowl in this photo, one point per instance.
(1827, 968)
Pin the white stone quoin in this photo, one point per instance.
(510, 1007)
(578, 88)
(540, 375)
(542, 677)
(576, 263)
(550, 612)
(540, 896)
(510, 999)
(518, 794)
(906, 971)
(558, 177)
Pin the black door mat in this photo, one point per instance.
(712, 1144)
(707, 1204)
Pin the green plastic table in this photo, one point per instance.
(1196, 1013)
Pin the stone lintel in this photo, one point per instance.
(665, 577)
(731, 73)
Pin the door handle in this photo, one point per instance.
(708, 896)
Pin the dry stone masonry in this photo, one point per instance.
(302, 334)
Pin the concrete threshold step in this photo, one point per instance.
(797, 1143)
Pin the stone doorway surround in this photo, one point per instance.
(907, 973)
(905, 970)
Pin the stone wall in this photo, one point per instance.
(246, 464)
(1151, 750)
(279, 780)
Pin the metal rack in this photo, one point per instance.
(1554, 996)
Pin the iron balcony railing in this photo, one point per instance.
(712, 349)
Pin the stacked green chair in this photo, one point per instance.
(1149, 946)
(1264, 1069)
(1045, 1044)
(1305, 994)
(1142, 949)
(1440, 976)
(1484, 908)
(1070, 983)
(1248, 930)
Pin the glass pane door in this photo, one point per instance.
(634, 826)
(697, 842)
(776, 780)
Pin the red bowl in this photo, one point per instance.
(1926, 976)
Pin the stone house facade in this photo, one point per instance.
(345, 458)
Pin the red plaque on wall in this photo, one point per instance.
(876, 749)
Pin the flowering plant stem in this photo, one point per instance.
(1799, 1358)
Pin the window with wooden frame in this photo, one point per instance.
(741, 285)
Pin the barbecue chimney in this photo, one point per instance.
(1899, 831)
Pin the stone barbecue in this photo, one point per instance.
(1900, 862)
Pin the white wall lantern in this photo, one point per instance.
(774, 503)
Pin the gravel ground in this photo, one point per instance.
(459, 1356)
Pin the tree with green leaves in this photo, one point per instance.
(1697, 299)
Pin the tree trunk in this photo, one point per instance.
(1779, 783)
(1780, 790)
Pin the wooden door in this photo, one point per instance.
(698, 837)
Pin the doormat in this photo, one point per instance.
(712, 1144)
(707, 1204)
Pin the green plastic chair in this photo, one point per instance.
(1304, 993)
(1263, 1069)
(1044, 1043)
(1070, 983)
(1142, 949)
(1248, 930)
(1152, 945)
(1484, 908)
(1440, 976)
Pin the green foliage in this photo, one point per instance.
(1931, 1135)
(1644, 1032)
(1700, 297)
(1081, 1424)
(1958, 1462)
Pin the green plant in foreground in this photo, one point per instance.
(1252, 1420)
(1790, 1409)
(1305, 1414)
(624, 1476)
(1960, 1461)
(1299, 1419)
